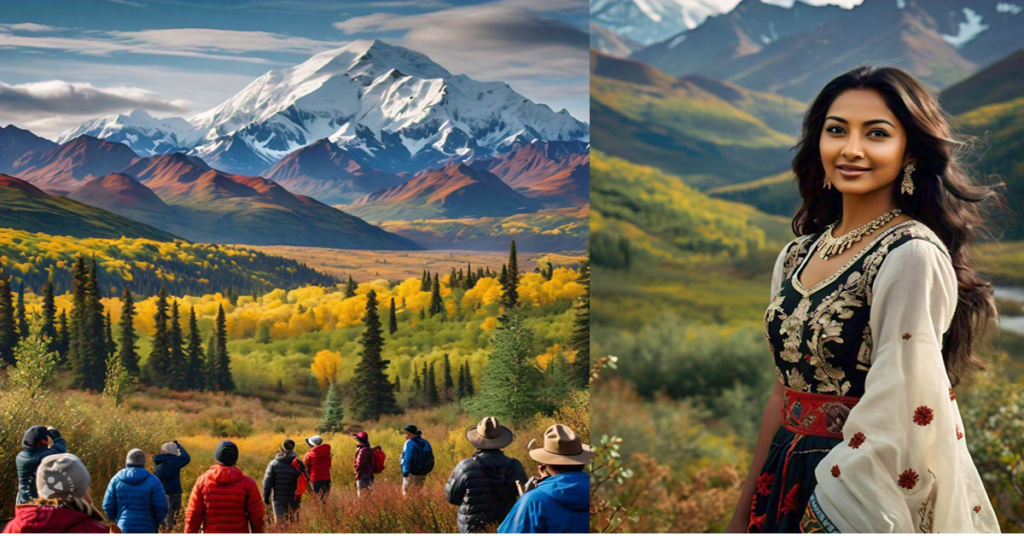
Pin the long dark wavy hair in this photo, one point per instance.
(945, 198)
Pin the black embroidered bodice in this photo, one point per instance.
(820, 337)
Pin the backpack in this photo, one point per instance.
(423, 459)
(301, 483)
(377, 459)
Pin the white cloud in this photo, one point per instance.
(29, 27)
(78, 98)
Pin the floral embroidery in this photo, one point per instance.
(835, 471)
(952, 395)
(864, 354)
(908, 479)
(764, 483)
(906, 336)
(977, 508)
(923, 416)
(792, 501)
(959, 434)
(857, 440)
(927, 514)
(795, 380)
(795, 255)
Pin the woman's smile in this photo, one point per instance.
(852, 172)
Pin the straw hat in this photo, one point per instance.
(489, 434)
(562, 447)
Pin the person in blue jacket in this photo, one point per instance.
(417, 459)
(167, 467)
(38, 443)
(560, 501)
(135, 498)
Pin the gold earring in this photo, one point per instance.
(827, 184)
(907, 186)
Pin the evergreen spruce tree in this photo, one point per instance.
(579, 340)
(210, 365)
(470, 391)
(63, 338)
(127, 353)
(392, 319)
(8, 322)
(334, 413)
(511, 380)
(460, 391)
(510, 298)
(111, 347)
(74, 323)
(263, 333)
(453, 278)
(350, 288)
(560, 381)
(424, 395)
(449, 384)
(417, 385)
(423, 314)
(436, 306)
(373, 395)
(222, 372)
(470, 283)
(19, 313)
(503, 281)
(426, 283)
(194, 377)
(158, 368)
(94, 343)
(398, 384)
(433, 397)
(178, 364)
(50, 317)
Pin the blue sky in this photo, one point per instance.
(65, 62)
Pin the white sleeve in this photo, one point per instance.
(903, 465)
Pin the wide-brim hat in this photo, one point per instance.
(489, 434)
(562, 447)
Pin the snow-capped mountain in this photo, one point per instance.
(393, 108)
(140, 131)
(650, 21)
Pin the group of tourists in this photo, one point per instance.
(491, 489)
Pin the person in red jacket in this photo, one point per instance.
(318, 463)
(63, 505)
(224, 499)
(363, 463)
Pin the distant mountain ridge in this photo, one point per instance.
(394, 109)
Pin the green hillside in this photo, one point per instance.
(776, 194)
(27, 208)
(181, 267)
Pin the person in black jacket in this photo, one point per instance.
(484, 486)
(284, 481)
(168, 465)
(38, 443)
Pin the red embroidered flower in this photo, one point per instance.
(792, 500)
(908, 479)
(835, 471)
(857, 440)
(977, 508)
(923, 415)
(756, 522)
(959, 434)
(764, 483)
(952, 395)
(807, 357)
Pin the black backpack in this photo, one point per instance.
(423, 460)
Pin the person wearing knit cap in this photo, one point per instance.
(224, 499)
(167, 467)
(38, 443)
(62, 503)
(318, 462)
(135, 498)
(364, 463)
(285, 482)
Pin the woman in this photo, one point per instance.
(874, 311)
(63, 503)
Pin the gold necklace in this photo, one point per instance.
(831, 247)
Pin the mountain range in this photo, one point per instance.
(795, 51)
(393, 109)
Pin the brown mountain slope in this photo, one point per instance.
(328, 173)
(543, 172)
(66, 168)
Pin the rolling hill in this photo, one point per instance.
(123, 195)
(776, 194)
(66, 168)
(15, 142)
(455, 191)
(557, 174)
(706, 132)
(27, 208)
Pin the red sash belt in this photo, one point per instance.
(816, 414)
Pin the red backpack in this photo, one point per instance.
(378, 459)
